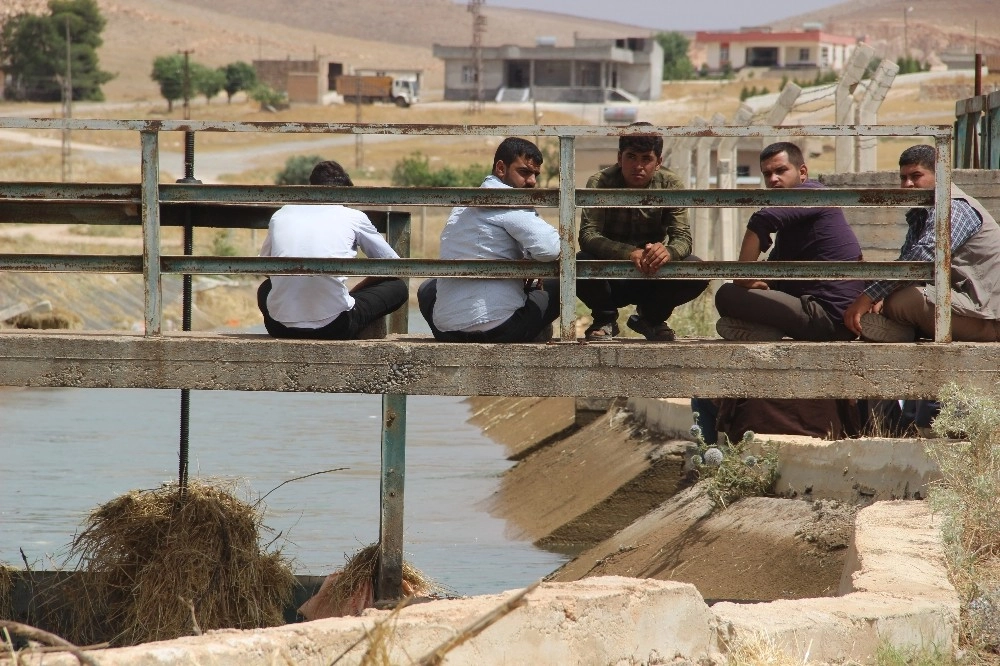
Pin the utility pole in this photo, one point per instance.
(359, 145)
(187, 84)
(67, 172)
(906, 41)
(478, 28)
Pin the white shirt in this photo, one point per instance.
(317, 231)
(478, 304)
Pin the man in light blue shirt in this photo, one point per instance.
(496, 310)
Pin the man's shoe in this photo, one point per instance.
(879, 328)
(731, 328)
(655, 332)
(602, 332)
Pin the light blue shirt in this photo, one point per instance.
(489, 233)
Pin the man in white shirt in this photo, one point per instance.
(320, 306)
(496, 310)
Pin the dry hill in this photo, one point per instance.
(932, 26)
(376, 33)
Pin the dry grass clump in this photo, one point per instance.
(57, 319)
(6, 592)
(352, 589)
(968, 496)
(156, 565)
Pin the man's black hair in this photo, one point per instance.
(794, 152)
(513, 147)
(329, 173)
(641, 143)
(921, 154)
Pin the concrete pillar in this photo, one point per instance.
(781, 108)
(703, 228)
(729, 226)
(844, 104)
(875, 93)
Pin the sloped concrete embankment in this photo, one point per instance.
(896, 591)
(892, 585)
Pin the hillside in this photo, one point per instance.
(932, 26)
(378, 33)
(357, 34)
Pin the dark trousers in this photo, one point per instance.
(800, 318)
(527, 322)
(370, 303)
(656, 299)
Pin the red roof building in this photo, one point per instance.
(805, 49)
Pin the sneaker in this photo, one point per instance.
(879, 328)
(656, 332)
(602, 332)
(731, 328)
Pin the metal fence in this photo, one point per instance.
(196, 204)
(977, 132)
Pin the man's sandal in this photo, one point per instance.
(602, 332)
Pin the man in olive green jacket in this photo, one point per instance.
(648, 237)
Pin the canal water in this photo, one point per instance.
(67, 451)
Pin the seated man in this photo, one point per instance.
(799, 309)
(496, 310)
(890, 311)
(648, 237)
(320, 306)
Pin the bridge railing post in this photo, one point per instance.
(567, 232)
(153, 309)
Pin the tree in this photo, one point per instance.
(676, 64)
(168, 71)
(33, 52)
(239, 76)
(206, 81)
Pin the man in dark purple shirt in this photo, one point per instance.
(754, 310)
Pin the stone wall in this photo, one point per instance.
(881, 230)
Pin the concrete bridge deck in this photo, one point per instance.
(418, 365)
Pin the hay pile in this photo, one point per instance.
(154, 565)
(6, 592)
(56, 319)
(352, 589)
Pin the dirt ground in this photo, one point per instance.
(613, 494)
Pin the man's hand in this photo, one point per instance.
(751, 284)
(852, 315)
(653, 256)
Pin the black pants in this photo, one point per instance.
(800, 318)
(370, 303)
(527, 322)
(655, 298)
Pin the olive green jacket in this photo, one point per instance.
(614, 233)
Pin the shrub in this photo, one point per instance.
(968, 498)
(731, 472)
(414, 170)
(297, 170)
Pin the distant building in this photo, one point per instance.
(759, 47)
(592, 70)
(312, 81)
(304, 81)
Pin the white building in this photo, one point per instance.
(592, 70)
(806, 49)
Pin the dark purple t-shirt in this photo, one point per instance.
(811, 234)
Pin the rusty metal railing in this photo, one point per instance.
(977, 132)
(159, 203)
